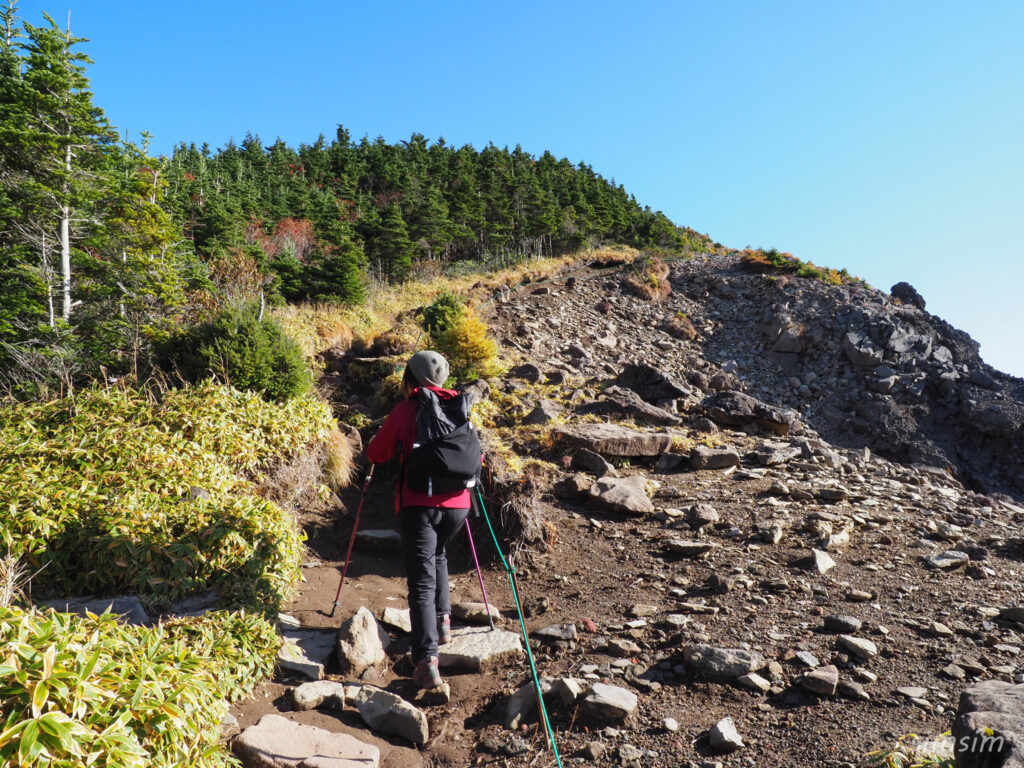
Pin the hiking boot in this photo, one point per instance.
(444, 629)
(426, 674)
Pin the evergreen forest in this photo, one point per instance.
(106, 249)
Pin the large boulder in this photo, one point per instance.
(989, 727)
(613, 440)
(362, 642)
(737, 409)
(907, 294)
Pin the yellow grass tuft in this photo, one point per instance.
(339, 463)
(13, 578)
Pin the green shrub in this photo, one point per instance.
(96, 491)
(442, 313)
(92, 691)
(243, 351)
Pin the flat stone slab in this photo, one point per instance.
(1013, 613)
(479, 648)
(197, 604)
(616, 400)
(557, 632)
(277, 742)
(379, 540)
(912, 692)
(306, 651)
(840, 624)
(613, 440)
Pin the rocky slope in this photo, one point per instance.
(783, 530)
(859, 366)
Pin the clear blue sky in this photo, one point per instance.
(881, 137)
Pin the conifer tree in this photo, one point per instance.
(393, 250)
(66, 137)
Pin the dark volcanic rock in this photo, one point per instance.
(738, 409)
(906, 293)
(650, 383)
(626, 402)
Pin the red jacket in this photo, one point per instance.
(396, 436)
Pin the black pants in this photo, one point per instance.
(426, 532)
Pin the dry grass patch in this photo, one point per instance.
(648, 279)
(315, 327)
(14, 577)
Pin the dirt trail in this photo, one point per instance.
(639, 602)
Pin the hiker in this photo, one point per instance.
(428, 516)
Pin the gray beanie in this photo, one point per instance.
(429, 368)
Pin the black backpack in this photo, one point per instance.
(446, 455)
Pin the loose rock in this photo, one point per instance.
(362, 642)
(320, 693)
(385, 712)
(724, 737)
(722, 664)
(608, 703)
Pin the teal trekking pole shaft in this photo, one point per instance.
(522, 625)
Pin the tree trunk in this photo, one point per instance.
(49, 286)
(65, 244)
(124, 261)
(65, 262)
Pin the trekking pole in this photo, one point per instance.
(479, 573)
(352, 538)
(526, 640)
